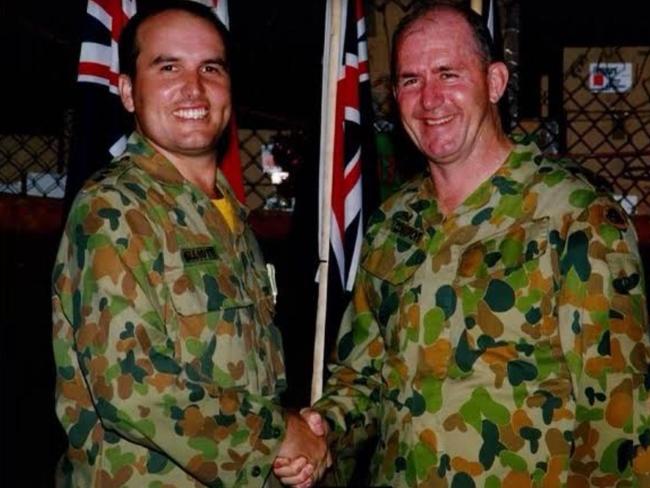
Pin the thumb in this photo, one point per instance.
(316, 423)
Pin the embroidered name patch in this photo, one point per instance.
(403, 229)
(193, 255)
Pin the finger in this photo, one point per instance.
(306, 484)
(281, 462)
(304, 476)
(292, 469)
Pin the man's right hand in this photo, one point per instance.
(303, 456)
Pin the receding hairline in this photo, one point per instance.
(130, 42)
(434, 15)
(176, 11)
(482, 40)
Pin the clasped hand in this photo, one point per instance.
(304, 455)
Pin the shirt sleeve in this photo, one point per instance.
(353, 392)
(110, 315)
(603, 330)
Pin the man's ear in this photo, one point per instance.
(125, 87)
(497, 78)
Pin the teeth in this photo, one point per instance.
(443, 120)
(191, 113)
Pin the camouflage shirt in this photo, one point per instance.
(502, 345)
(168, 364)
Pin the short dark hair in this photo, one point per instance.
(482, 37)
(128, 45)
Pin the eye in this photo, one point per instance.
(408, 81)
(448, 75)
(213, 68)
(168, 67)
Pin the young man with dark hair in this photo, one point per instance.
(169, 366)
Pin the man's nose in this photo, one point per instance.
(431, 95)
(192, 83)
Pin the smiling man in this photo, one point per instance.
(497, 333)
(169, 366)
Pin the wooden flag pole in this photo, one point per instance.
(331, 61)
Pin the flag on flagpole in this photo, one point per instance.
(350, 149)
(101, 124)
(347, 148)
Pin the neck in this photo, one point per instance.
(454, 182)
(199, 169)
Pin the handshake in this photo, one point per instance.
(304, 455)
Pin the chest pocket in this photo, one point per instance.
(392, 261)
(396, 253)
(214, 322)
(504, 287)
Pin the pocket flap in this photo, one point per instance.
(205, 288)
(504, 252)
(396, 253)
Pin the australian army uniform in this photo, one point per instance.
(168, 364)
(502, 345)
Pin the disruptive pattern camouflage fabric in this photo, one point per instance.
(168, 364)
(503, 345)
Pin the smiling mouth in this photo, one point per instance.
(191, 113)
(438, 121)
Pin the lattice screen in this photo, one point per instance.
(607, 132)
(36, 165)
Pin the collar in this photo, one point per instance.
(161, 169)
(508, 181)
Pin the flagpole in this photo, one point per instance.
(331, 60)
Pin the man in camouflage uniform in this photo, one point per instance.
(497, 334)
(169, 366)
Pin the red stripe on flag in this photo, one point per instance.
(352, 178)
(99, 70)
(231, 162)
(346, 186)
(119, 18)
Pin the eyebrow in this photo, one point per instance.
(437, 69)
(162, 59)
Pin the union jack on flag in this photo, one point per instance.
(101, 125)
(353, 87)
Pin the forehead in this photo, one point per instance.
(436, 32)
(179, 30)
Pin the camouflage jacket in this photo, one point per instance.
(168, 364)
(503, 345)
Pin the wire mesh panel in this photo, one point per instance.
(607, 107)
(36, 165)
(604, 124)
(32, 165)
(257, 183)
